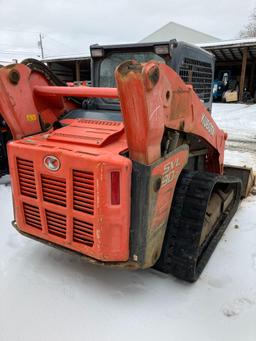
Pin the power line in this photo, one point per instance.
(6, 45)
(59, 42)
(18, 52)
(20, 31)
(40, 45)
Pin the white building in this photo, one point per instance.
(179, 32)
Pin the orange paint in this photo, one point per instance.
(72, 186)
(72, 206)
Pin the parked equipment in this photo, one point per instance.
(220, 85)
(135, 188)
(225, 88)
(218, 90)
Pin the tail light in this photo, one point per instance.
(161, 49)
(97, 52)
(115, 188)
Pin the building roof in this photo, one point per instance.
(230, 43)
(66, 58)
(179, 32)
(231, 50)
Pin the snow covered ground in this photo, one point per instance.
(46, 294)
(239, 121)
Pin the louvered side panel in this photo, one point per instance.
(32, 216)
(83, 191)
(83, 232)
(56, 224)
(26, 176)
(54, 190)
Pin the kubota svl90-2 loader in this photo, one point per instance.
(129, 172)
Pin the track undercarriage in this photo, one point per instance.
(203, 205)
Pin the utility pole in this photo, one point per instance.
(40, 45)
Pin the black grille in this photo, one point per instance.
(199, 74)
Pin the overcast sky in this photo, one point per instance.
(69, 27)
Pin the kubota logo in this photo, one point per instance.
(52, 163)
(206, 123)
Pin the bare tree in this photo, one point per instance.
(249, 29)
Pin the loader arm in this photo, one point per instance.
(153, 97)
(16, 102)
(20, 107)
(22, 112)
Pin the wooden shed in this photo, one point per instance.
(238, 56)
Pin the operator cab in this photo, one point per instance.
(194, 65)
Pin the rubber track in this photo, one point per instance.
(181, 254)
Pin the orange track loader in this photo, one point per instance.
(127, 176)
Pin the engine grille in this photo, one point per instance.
(83, 191)
(54, 190)
(83, 232)
(26, 178)
(199, 74)
(56, 224)
(32, 216)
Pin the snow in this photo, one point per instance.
(46, 294)
(239, 121)
(244, 42)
